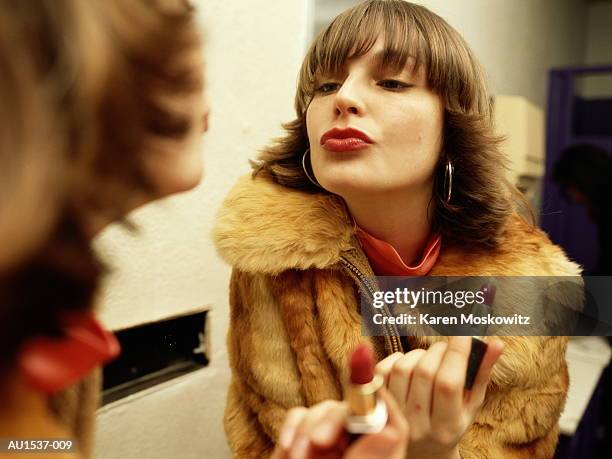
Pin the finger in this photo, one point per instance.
(383, 367)
(401, 372)
(397, 419)
(418, 406)
(391, 440)
(292, 421)
(377, 446)
(476, 396)
(303, 442)
(450, 380)
(329, 429)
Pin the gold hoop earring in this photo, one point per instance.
(448, 181)
(312, 180)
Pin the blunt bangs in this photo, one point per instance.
(353, 34)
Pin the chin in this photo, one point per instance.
(179, 182)
(190, 181)
(349, 177)
(345, 186)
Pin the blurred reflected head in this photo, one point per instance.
(446, 99)
(31, 146)
(101, 110)
(584, 173)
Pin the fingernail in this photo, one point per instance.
(300, 450)
(286, 437)
(322, 433)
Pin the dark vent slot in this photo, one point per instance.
(154, 353)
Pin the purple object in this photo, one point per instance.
(568, 124)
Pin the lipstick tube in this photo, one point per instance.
(479, 345)
(367, 411)
(477, 352)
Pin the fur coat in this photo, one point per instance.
(294, 318)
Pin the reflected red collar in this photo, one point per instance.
(52, 364)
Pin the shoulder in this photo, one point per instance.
(268, 228)
(524, 250)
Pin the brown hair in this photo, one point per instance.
(88, 84)
(482, 199)
(29, 169)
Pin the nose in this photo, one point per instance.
(348, 100)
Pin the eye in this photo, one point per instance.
(326, 88)
(393, 85)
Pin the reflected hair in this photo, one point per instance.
(482, 198)
(84, 94)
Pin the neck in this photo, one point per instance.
(96, 222)
(400, 218)
(25, 413)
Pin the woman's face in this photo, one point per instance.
(170, 165)
(398, 123)
(178, 165)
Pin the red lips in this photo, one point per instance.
(348, 139)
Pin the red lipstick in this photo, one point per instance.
(368, 412)
(348, 139)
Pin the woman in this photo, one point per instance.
(150, 70)
(107, 110)
(390, 168)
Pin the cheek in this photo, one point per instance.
(420, 126)
(312, 122)
(175, 166)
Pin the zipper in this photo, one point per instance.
(371, 290)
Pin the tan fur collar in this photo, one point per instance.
(264, 227)
(267, 228)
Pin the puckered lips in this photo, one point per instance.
(347, 139)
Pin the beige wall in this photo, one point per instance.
(254, 49)
(599, 33)
(519, 41)
(598, 50)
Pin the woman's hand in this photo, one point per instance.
(428, 385)
(318, 432)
